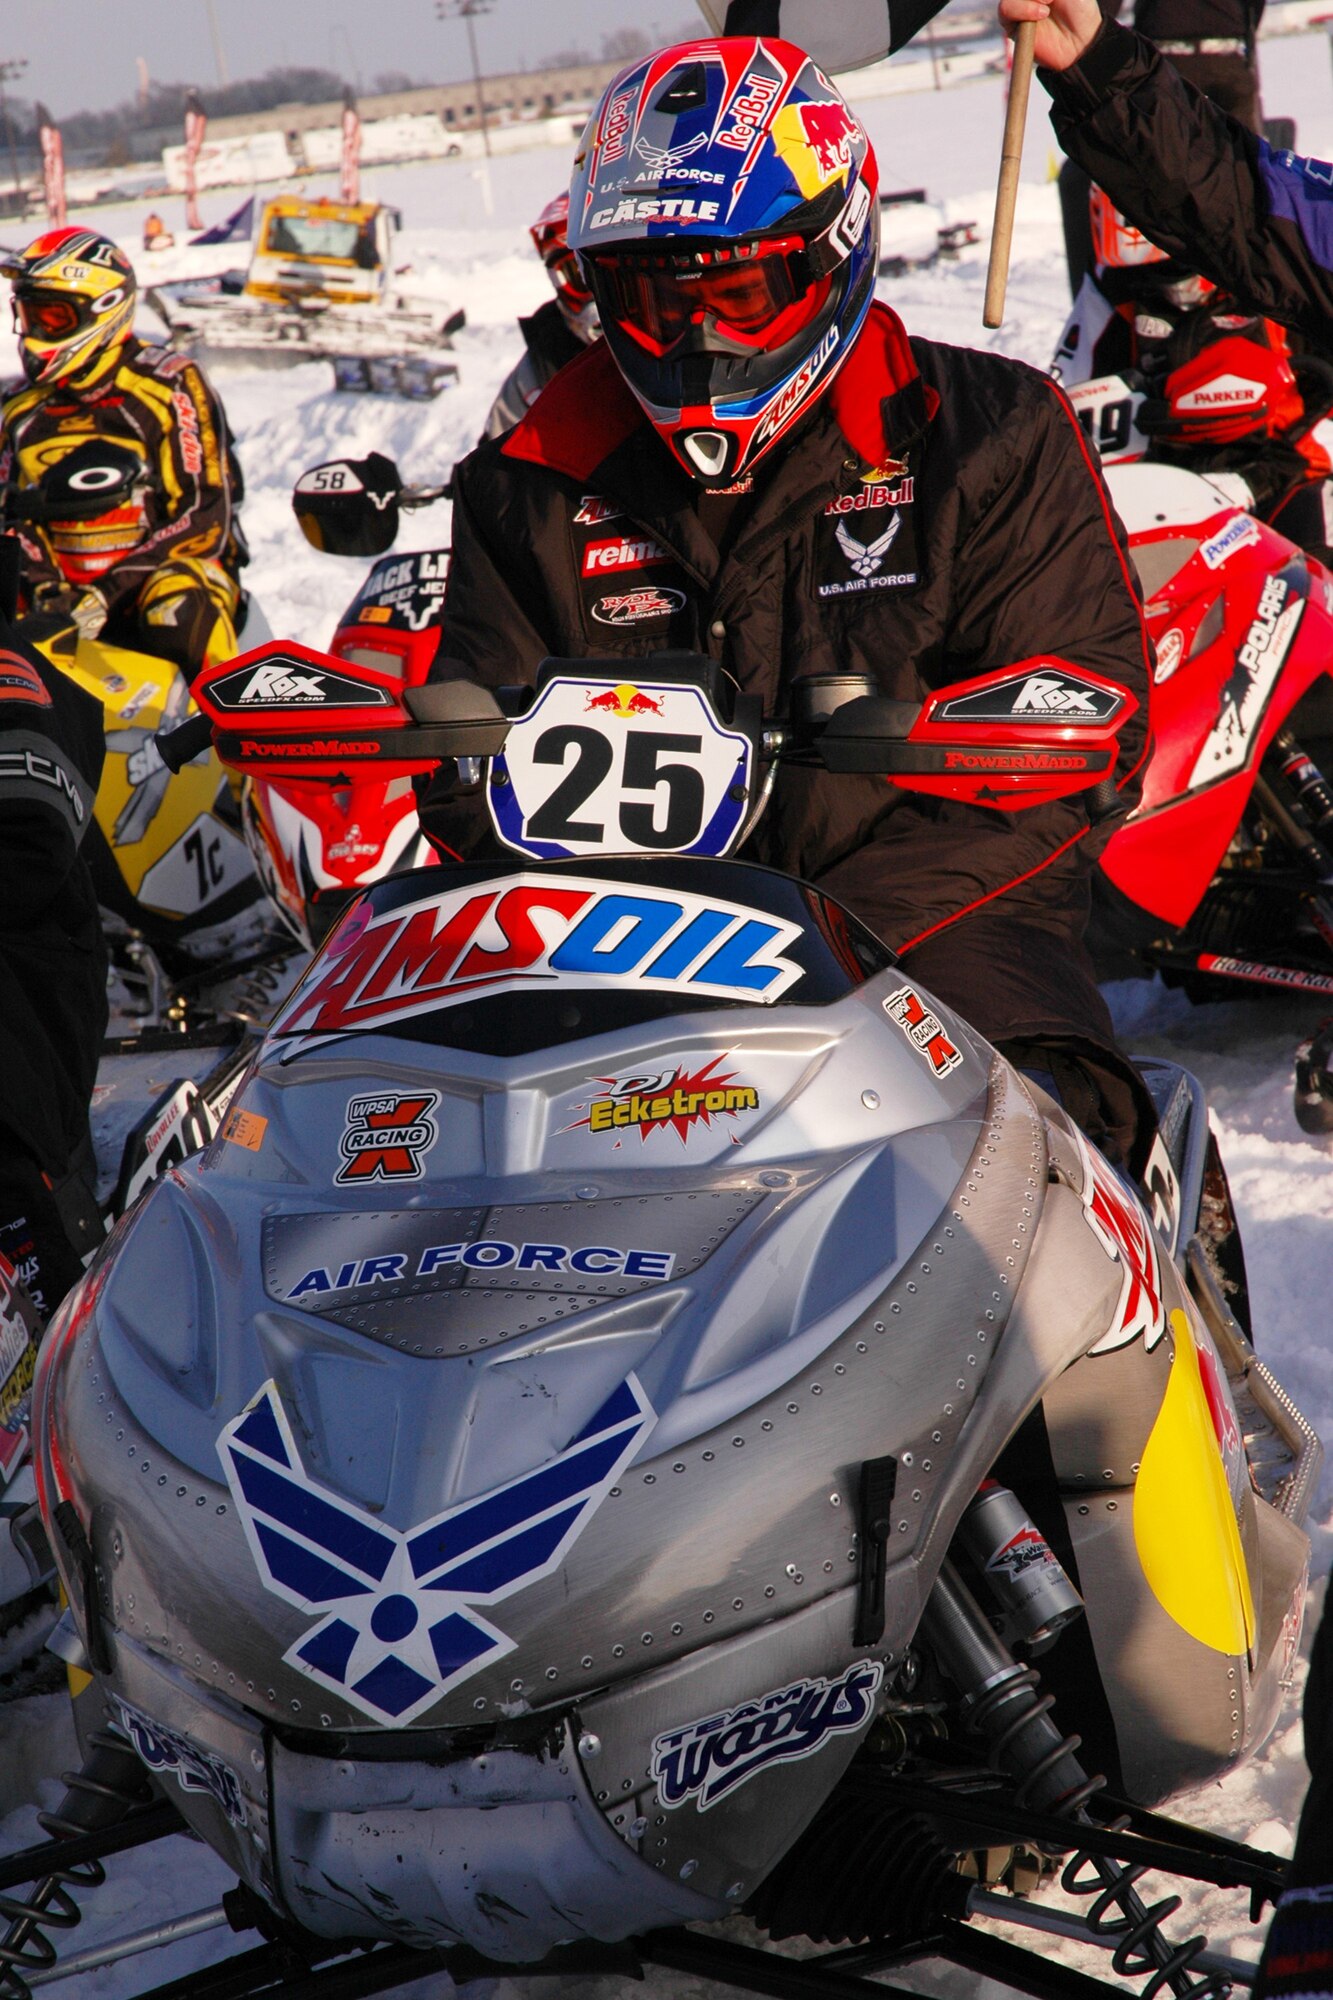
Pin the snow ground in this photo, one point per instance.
(471, 250)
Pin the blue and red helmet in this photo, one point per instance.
(724, 209)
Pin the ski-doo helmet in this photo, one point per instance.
(724, 209)
(550, 233)
(74, 300)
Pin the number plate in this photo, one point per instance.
(1108, 409)
(597, 767)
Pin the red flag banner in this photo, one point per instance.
(196, 124)
(350, 188)
(53, 167)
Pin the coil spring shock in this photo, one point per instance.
(99, 1796)
(1001, 1704)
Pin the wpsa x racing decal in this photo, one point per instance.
(537, 932)
(923, 1029)
(163, 1749)
(706, 1760)
(397, 1626)
(386, 1137)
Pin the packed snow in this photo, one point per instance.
(466, 242)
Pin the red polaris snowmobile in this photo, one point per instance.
(1223, 876)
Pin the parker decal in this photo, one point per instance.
(1126, 1235)
(636, 607)
(386, 1137)
(675, 1100)
(484, 1254)
(924, 1029)
(707, 1760)
(540, 933)
(397, 1623)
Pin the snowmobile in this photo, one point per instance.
(320, 285)
(177, 885)
(641, 1415)
(1221, 877)
(315, 846)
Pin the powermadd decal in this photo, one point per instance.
(1128, 1238)
(708, 1759)
(194, 1770)
(536, 932)
(923, 1029)
(397, 1620)
(674, 1100)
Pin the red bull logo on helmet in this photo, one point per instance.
(815, 142)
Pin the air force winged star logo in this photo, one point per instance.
(397, 1627)
(867, 557)
(663, 158)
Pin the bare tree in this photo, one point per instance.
(625, 45)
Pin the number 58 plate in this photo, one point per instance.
(602, 767)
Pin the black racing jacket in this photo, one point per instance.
(1258, 222)
(53, 1006)
(578, 535)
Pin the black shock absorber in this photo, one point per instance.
(1305, 783)
(111, 1783)
(1001, 1703)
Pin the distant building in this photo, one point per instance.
(533, 93)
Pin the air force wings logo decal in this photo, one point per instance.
(397, 1628)
(867, 557)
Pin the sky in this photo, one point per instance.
(81, 53)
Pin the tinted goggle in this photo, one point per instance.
(46, 315)
(742, 291)
(567, 276)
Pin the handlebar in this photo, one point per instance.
(180, 746)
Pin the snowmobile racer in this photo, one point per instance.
(557, 332)
(159, 573)
(757, 464)
(53, 1005)
(1225, 392)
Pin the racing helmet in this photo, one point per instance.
(74, 301)
(724, 209)
(550, 233)
(1115, 240)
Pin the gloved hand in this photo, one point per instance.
(89, 612)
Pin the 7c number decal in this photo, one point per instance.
(620, 769)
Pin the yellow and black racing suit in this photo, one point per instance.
(165, 562)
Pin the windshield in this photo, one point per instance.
(320, 236)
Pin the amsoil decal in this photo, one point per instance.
(786, 403)
(397, 1267)
(537, 933)
(623, 553)
(1037, 694)
(636, 607)
(279, 682)
(1250, 685)
(386, 1137)
(673, 1100)
(1125, 1234)
(924, 1029)
(708, 1759)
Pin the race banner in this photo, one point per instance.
(196, 124)
(350, 187)
(53, 167)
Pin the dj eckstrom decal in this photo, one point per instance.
(674, 1100)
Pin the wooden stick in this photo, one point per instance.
(1011, 161)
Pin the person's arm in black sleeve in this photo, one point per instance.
(1041, 570)
(1201, 185)
(50, 762)
(492, 633)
